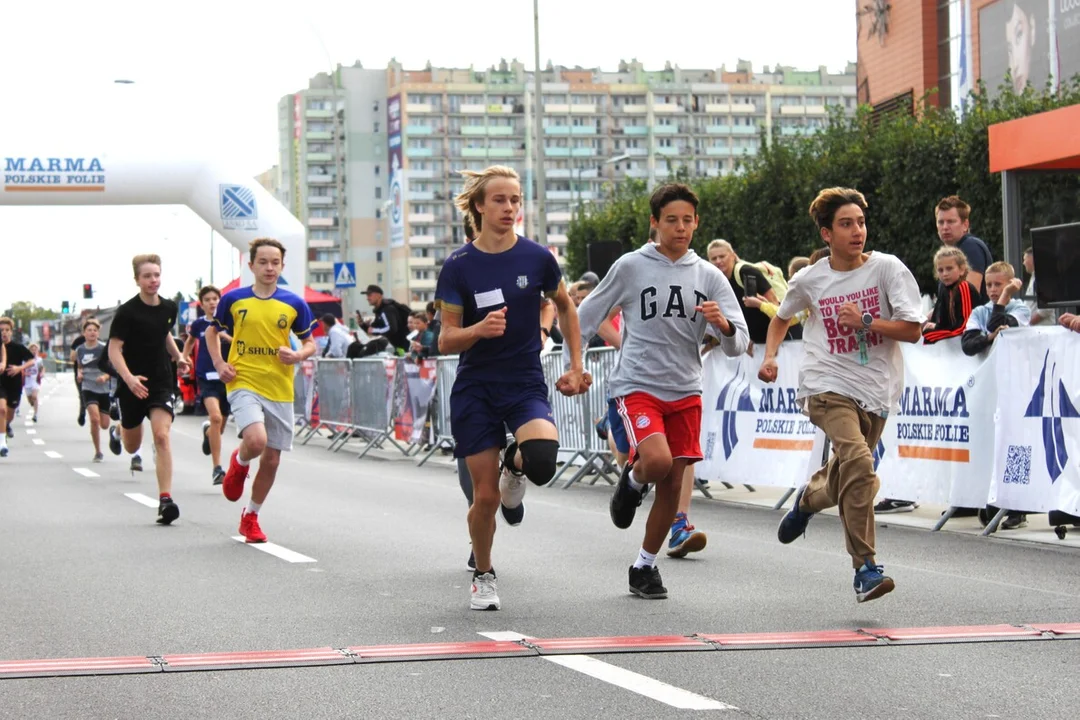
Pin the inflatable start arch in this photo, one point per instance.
(237, 207)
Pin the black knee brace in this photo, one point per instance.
(538, 460)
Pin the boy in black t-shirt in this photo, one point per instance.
(140, 348)
(11, 380)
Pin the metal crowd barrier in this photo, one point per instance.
(446, 372)
(333, 378)
(303, 397)
(371, 401)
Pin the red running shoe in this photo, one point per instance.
(233, 483)
(249, 527)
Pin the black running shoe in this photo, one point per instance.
(625, 501)
(888, 505)
(136, 464)
(793, 525)
(645, 582)
(219, 475)
(114, 410)
(10, 431)
(167, 511)
(470, 564)
(82, 417)
(114, 440)
(206, 437)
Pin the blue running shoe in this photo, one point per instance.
(871, 583)
(793, 526)
(601, 426)
(685, 539)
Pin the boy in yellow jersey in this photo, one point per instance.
(259, 374)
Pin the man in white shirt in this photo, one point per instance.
(338, 338)
(862, 306)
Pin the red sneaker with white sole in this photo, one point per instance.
(232, 485)
(249, 527)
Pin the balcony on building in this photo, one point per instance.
(426, 284)
(583, 152)
(557, 152)
(555, 173)
(556, 109)
(472, 109)
(584, 130)
(743, 108)
(718, 129)
(323, 243)
(557, 239)
(635, 130)
(745, 130)
(718, 150)
(791, 130)
(665, 129)
(583, 109)
(418, 129)
(420, 262)
(320, 265)
(473, 130)
(414, 108)
(792, 110)
(557, 130)
(721, 108)
(637, 173)
(418, 195)
(420, 174)
(636, 152)
(322, 222)
(320, 200)
(559, 217)
(635, 109)
(667, 108)
(421, 218)
(319, 135)
(667, 151)
(319, 157)
(419, 152)
(474, 152)
(422, 239)
(320, 179)
(816, 110)
(318, 114)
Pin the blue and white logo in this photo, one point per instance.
(1050, 403)
(734, 396)
(238, 208)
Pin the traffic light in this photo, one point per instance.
(65, 308)
(87, 291)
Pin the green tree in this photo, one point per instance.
(903, 163)
(22, 312)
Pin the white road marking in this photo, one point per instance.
(53, 454)
(31, 432)
(277, 551)
(626, 679)
(38, 441)
(86, 472)
(142, 499)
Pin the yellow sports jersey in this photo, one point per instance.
(259, 326)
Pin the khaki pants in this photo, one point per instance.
(848, 479)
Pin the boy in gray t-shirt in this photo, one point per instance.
(96, 386)
(862, 306)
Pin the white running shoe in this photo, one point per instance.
(485, 592)
(512, 488)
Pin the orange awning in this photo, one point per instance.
(1047, 141)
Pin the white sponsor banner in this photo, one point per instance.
(1037, 453)
(751, 432)
(938, 448)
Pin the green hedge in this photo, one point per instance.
(903, 164)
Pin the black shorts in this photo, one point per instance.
(217, 390)
(133, 410)
(102, 400)
(11, 393)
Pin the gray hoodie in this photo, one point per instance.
(662, 333)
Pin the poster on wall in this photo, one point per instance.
(1067, 26)
(1015, 37)
(397, 172)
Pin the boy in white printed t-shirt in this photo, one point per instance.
(862, 305)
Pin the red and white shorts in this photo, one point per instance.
(680, 422)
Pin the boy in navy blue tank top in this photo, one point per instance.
(489, 293)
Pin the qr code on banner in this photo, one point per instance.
(1018, 465)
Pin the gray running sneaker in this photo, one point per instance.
(136, 464)
(99, 457)
(485, 592)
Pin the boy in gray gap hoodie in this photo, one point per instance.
(669, 298)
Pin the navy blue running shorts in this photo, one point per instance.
(616, 429)
(481, 412)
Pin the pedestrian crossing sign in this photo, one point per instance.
(344, 275)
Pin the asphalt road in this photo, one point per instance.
(86, 573)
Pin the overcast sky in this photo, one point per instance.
(208, 76)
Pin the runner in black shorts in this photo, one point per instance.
(17, 360)
(75, 345)
(212, 390)
(140, 347)
(96, 386)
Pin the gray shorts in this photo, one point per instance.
(249, 408)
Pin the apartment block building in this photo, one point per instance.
(597, 127)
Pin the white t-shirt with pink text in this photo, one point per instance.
(862, 365)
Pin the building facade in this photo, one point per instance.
(403, 136)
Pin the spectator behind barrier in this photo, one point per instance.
(956, 297)
(953, 217)
(390, 318)
(338, 338)
(1002, 311)
(422, 345)
(1038, 317)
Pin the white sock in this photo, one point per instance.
(3, 439)
(644, 559)
(638, 486)
(241, 461)
(253, 507)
